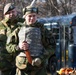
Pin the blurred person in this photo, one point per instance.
(9, 28)
(34, 45)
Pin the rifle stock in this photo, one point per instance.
(28, 56)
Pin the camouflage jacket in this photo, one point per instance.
(45, 42)
(47, 38)
(8, 38)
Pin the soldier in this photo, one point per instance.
(34, 45)
(8, 38)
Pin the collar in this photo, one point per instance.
(31, 25)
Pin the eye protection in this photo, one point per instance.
(32, 10)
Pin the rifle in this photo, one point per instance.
(28, 55)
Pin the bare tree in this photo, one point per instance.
(65, 7)
(46, 7)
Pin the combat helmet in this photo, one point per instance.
(30, 9)
(8, 7)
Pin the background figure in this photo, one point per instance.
(8, 38)
(32, 38)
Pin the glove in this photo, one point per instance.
(36, 62)
(23, 45)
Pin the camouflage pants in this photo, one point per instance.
(24, 68)
(5, 67)
(5, 72)
(35, 72)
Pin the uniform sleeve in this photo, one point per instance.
(11, 48)
(3, 36)
(12, 42)
(48, 42)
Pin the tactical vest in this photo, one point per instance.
(33, 37)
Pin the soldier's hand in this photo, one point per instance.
(24, 45)
(36, 62)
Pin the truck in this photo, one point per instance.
(64, 53)
(53, 27)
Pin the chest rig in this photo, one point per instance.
(33, 37)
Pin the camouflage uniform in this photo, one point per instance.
(36, 36)
(8, 43)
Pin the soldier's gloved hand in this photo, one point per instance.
(36, 62)
(23, 45)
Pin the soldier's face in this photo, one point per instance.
(11, 14)
(30, 18)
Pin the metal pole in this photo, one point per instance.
(60, 46)
(64, 42)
